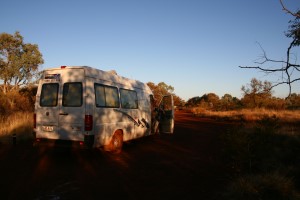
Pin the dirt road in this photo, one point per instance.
(184, 165)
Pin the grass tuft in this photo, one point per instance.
(20, 123)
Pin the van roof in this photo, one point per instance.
(106, 76)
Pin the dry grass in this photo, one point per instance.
(247, 115)
(288, 121)
(20, 123)
(264, 156)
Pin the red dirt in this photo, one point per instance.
(184, 165)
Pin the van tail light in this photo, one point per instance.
(88, 122)
(34, 120)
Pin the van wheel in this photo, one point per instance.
(116, 142)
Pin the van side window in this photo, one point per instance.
(72, 95)
(128, 99)
(106, 96)
(49, 95)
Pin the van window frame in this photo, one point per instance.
(117, 101)
(81, 95)
(42, 95)
(131, 102)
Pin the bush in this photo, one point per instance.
(17, 101)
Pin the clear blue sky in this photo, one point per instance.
(195, 46)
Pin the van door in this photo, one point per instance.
(47, 108)
(72, 107)
(60, 111)
(166, 119)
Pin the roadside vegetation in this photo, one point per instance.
(262, 147)
(285, 117)
(16, 115)
(264, 159)
(262, 151)
(19, 124)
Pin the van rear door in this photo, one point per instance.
(61, 110)
(166, 122)
(71, 107)
(47, 108)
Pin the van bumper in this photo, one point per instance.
(57, 143)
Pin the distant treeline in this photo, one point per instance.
(213, 102)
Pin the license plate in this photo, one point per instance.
(47, 128)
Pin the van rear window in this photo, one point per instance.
(72, 94)
(49, 95)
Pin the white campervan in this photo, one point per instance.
(95, 108)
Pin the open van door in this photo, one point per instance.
(166, 121)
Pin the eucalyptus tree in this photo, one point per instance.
(19, 61)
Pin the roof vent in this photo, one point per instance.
(113, 72)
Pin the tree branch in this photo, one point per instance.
(286, 69)
(288, 11)
(262, 69)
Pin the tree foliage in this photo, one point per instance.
(293, 101)
(207, 101)
(257, 93)
(19, 61)
(228, 102)
(288, 67)
(194, 101)
(162, 89)
(211, 101)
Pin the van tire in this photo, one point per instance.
(116, 143)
